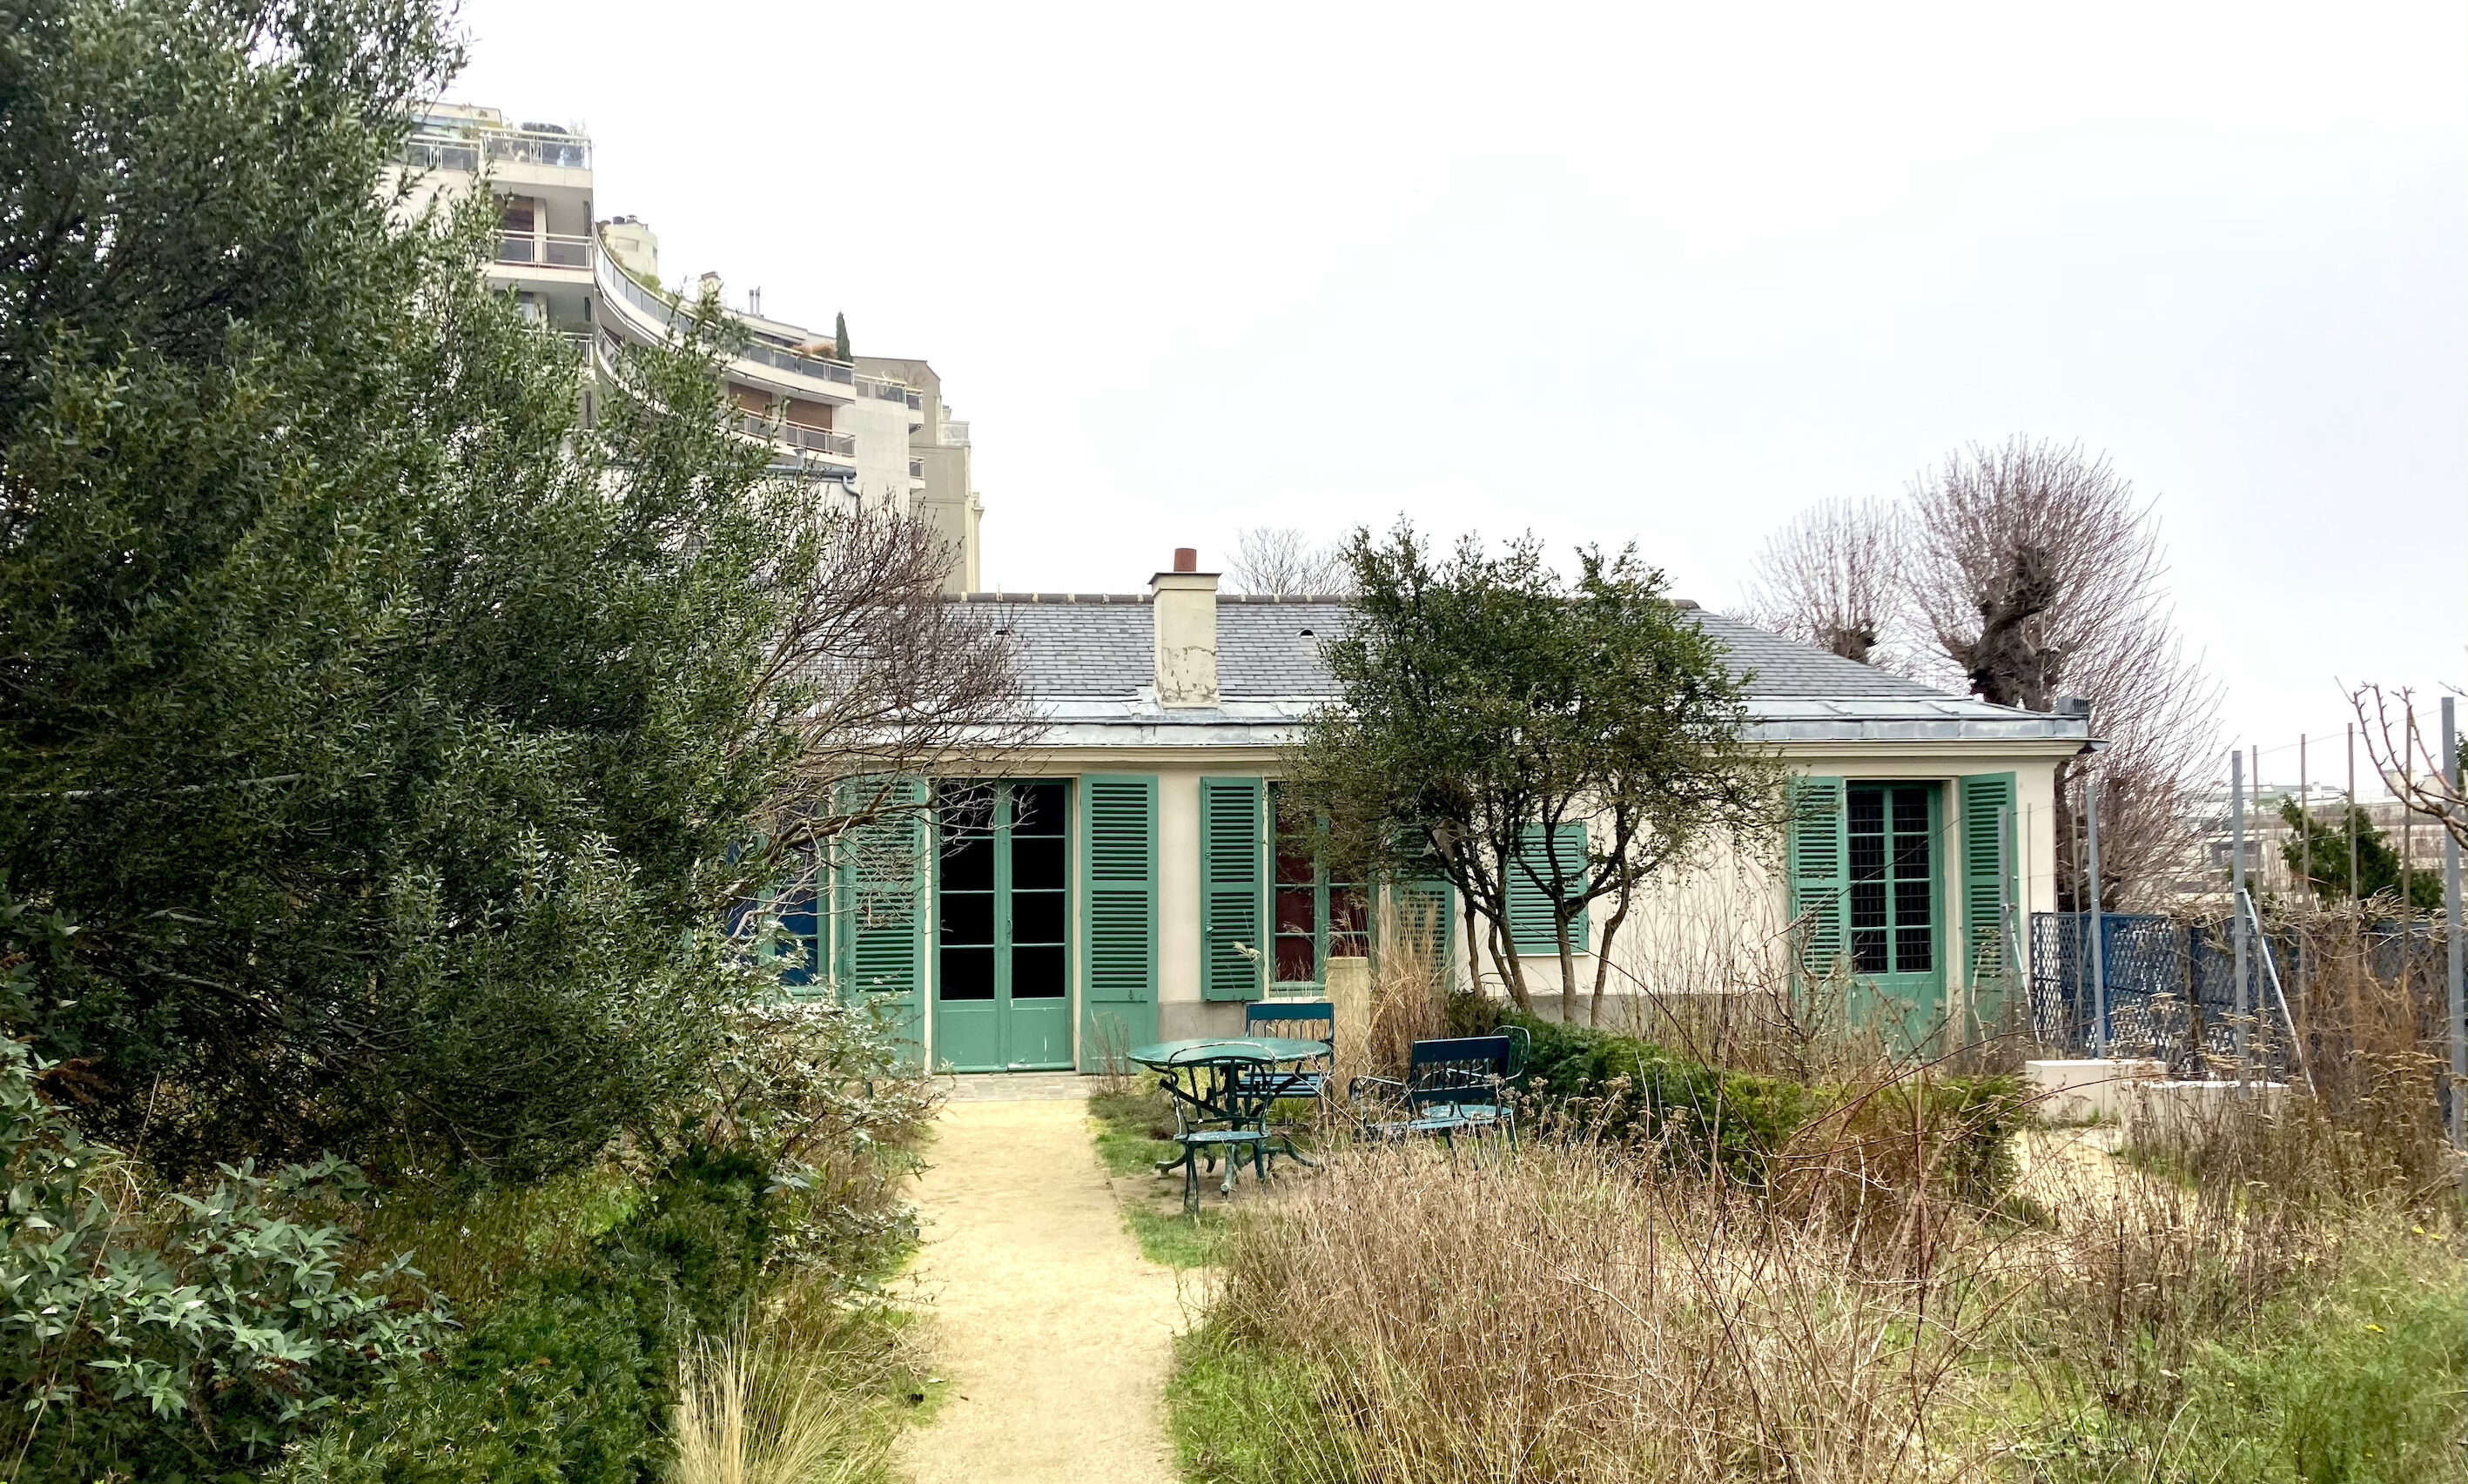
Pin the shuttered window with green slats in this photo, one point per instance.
(1531, 926)
(1986, 797)
(1820, 866)
(1118, 906)
(880, 902)
(1233, 879)
(1120, 895)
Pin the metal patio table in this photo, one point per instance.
(1216, 1104)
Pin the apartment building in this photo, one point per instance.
(874, 431)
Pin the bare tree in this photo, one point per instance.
(892, 683)
(2037, 573)
(2406, 753)
(1280, 561)
(1832, 578)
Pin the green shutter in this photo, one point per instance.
(1821, 870)
(1233, 949)
(1119, 894)
(879, 902)
(1530, 907)
(1984, 796)
(1435, 897)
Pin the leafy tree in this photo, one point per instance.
(2377, 862)
(1483, 698)
(388, 732)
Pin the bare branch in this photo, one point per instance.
(1280, 561)
(2405, 753)
(1831, 577)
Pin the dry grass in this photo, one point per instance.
(808, 1398)
(2263, 1297)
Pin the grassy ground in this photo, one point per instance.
(1134, 1132)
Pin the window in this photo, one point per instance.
(1316, 919)
(1894, 878)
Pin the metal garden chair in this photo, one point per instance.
(1218, 1111)
(1295, 1020)
(1453, 1086)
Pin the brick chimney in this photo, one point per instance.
(1183, 603)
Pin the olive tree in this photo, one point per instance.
(1485, 702)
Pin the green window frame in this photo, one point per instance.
(1312, 917)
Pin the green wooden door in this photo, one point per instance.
(1002, 987)
(1988, 814)
(1118, 917)
(1893, 916)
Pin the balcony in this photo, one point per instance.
(526, 147)
(890, 392)
(554, 250)
(917, 468)
(435, 153)
(838, 446)
(954, 434)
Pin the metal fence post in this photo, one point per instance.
(2098, 924)
(2236, 900)
(2455, 936)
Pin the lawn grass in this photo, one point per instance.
(1132, 1132)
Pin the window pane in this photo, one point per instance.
(1868, 952)
(1349, 922)
(1296, 866)
(1867, 813)
(1914, 950)
(1037, 808)
(1296, 910)
(967, 973)
(1036, 917)
(1297, 961)
(1037, 862)
(1910, 811)
(1037, 973)
(968, 917)
(968, 861)
(1867, 905)
(1912, 903)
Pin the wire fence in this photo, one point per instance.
(2172, 987)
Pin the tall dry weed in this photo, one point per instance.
(761, 1411)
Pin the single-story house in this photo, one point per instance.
(1126, 884)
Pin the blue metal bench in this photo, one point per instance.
(1295, 1020)
(1453, 1086)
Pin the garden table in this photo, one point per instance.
(1218, 1106)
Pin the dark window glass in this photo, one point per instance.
(968, 917)
(1037, 809)
(1893, 890)
(1037, 862)
(1036, 917)
(968, 861)
(1037, 973)
(1349, 922)
(1297, 912)
(1295, 865)
(1296, 963)
(967, 973)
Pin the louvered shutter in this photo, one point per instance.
(1821, 866)
(1233, 845)
(1429, 904)
(1985, 796)
(1530, 906)
(1120, 891)
(880, 902)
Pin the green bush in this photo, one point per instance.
(1629, 1089)
(570, 1378)
(183, 1338)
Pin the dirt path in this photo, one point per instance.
(1055, 1333)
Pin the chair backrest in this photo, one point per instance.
(1292, 1019)
(1461, 1069)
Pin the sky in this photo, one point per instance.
(1653, 273)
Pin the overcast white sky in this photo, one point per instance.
(1666, 273)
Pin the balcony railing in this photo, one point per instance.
(455, 154)
(554, 250)
(888, 391)
(666, 312)
(557, 151)
(954, 434)
(807, 440)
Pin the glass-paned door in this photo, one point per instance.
(1896, 905)
(1002, 997)
(1316, 919)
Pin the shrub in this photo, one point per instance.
(170, 1337)
(1632, 1090)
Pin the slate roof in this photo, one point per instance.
(1086, 661)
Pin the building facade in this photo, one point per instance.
(874, 432)
(1124, 882)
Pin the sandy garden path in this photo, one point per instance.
(1053, 1333)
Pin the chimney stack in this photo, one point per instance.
(1183, 605)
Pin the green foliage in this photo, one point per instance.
(1630, 1090)
(388, 732)
(570, 1377)
(839, 338)
(2377, 862)
(1243, 1414)
(188, 1339)
(1482, 695)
